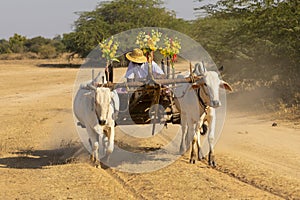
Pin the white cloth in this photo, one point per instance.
(141, 71)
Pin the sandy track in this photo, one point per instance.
(39, 141)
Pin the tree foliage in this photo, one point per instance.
(259, 30)
(4, 46)
(257, 39)
(16, 43)
(47, 51)
(34, 44)
(113, 17)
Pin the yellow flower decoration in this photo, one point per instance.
(171, 49)
(109, 49)
(148, 42)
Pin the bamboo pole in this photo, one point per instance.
(150, 67)
(163, 65)
(191, 73)
(156, 107)
(168, 67)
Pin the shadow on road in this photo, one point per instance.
(60, 65)
(37, 159)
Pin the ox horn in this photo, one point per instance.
(202, 68)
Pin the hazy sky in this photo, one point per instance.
(48, 18)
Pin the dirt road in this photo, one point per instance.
(41, 156)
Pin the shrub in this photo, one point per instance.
(47, 51)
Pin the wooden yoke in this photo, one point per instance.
(143, 83)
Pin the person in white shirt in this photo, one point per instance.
(138, 66)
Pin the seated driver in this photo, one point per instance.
(138, 66)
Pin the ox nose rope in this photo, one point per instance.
(201, 100)
(93, 103)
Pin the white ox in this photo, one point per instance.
(197, 105)
(94, 109)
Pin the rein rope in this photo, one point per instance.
(201, 100)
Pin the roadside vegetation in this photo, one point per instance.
(258, 42)
(20, 47)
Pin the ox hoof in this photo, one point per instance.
(211, 160)
(212, 164)
(192, 161)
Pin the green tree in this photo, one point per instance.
(245, 29)
(4, 46)
(116, 16)
(16, 43)
(45, 46)
(47, 51)
(58, 44)
(34, 44)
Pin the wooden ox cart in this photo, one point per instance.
(149, 100)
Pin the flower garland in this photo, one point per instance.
(171, 49)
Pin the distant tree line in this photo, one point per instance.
(244, 30)
(42, 47)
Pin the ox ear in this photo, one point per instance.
(225, 86)
(221, 69)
